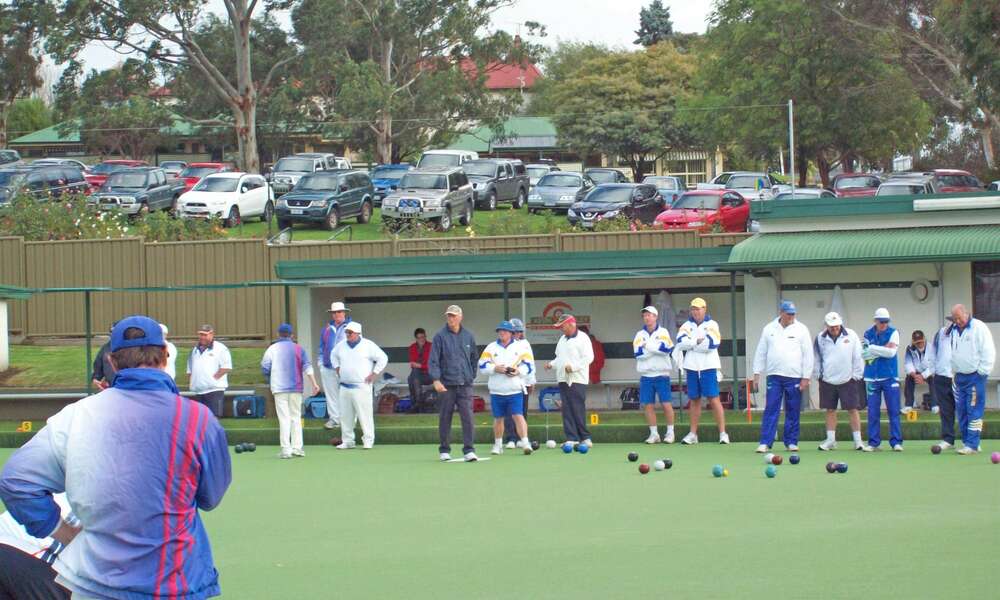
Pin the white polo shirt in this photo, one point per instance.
(171, 367)
(203, 365)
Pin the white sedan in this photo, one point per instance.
(230, 196)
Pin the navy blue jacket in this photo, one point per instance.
(453, 357)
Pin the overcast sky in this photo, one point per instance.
(610, 21)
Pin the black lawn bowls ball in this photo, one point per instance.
(633, 456)
(239, 448)
(841, 467)
(831, 467)
(936, 449)
(667, 463)
(250, 447)
(535, 445)
(794, 459)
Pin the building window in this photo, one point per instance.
(691, 172)
(986, 291)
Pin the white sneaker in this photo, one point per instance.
(346, 446)
(654, 438)
(331, 424)
(497, 449)
(690, 439)
(570, 442)
(762, 449)
(471, 457)
(859, 446)
(284, 455)
(298, 453)
(668, 438)
(792, 448)
(945, 445)
(723, 438)
(897, 448)
(367, 446)
(867, 448)
(588, 443)
(445, 457)
(906, 410)
(966, 450)
(517, 444)
(828, 445)
(511, 445)
(935, 409)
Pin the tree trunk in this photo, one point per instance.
(244, 105)
(3, 124)
(824, 169)
(985, 136)
(803, 165)
(383, 138)
(245, 117)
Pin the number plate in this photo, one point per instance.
(409, 210)
(297, 211)
(109, 206)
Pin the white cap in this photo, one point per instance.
(882, 314)
(354, 326)
(164, 329)
(651, 310)
(338, 306)
(833, 319)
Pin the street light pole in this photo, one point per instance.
(791, 143)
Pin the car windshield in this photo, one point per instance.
(538, 171)
(217, 184)
(603, 176)
(798, 196)
(900, 189)
(662, 183)
(439, 160)
(560, 180)
(298, 165)
(389, 172)
(10, 178)
(698, 201)
(846, 183)
(954, 180)
(745, 182)
(198, 172)
(480, 168)
(127, 179)
(7, 156)
(317, 183)
(105, 168)
(424, 181)
(609, 195)
(172, 165)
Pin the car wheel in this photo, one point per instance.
(521, 199)
(491, 201)
(366, 212)
(332, 219)
(444, 222)
(466, 218)
(143, 211)
(234, 217)
(268, 213)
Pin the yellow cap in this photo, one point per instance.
(699, 303)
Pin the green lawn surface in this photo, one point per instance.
(394, 522)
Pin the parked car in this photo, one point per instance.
(804, 194)
(287, 172)
(546, 161)
(558, 191)
(995, 186)
(9, 157)
(601, 175)
(194, 172)
(704, 209)
(330, 161)
(439, 195)
(638, 201)
(538, 170)
(231, 196)
(670, 187)
(60, 162)
(757, 185)
(955, 181)
(445, 158)
(908, 186)
(98, 173)
(41, 183)
(854, 185)
(328, 197)
(386, 178)
(494, 181)
(173, 168)
(139, 190)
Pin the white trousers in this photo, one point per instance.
(331, 389)
(288, 405)
(357, 403)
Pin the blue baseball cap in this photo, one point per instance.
(152, 333)
(518, 325)
(505, 326)
(285, 329)
(788, 307)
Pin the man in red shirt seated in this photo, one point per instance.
(420, 354)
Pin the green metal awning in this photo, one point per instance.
(874, 246)
(10, 292)
(498, 267)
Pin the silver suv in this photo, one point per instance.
(439, 195)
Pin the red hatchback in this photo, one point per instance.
(98, 174)
(193, 173)
(855, 185)
(706, 209)
(954, 181)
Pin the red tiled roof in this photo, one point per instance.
(501, 76)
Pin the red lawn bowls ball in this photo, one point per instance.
(644, 468)
(995, 457)
(936, 449)
(776, 459)
(336, 441)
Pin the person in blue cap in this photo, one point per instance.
(507, 363)
(137, 461)
(286, 366)
(878, 349)
(510, 439)
(785, 357)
